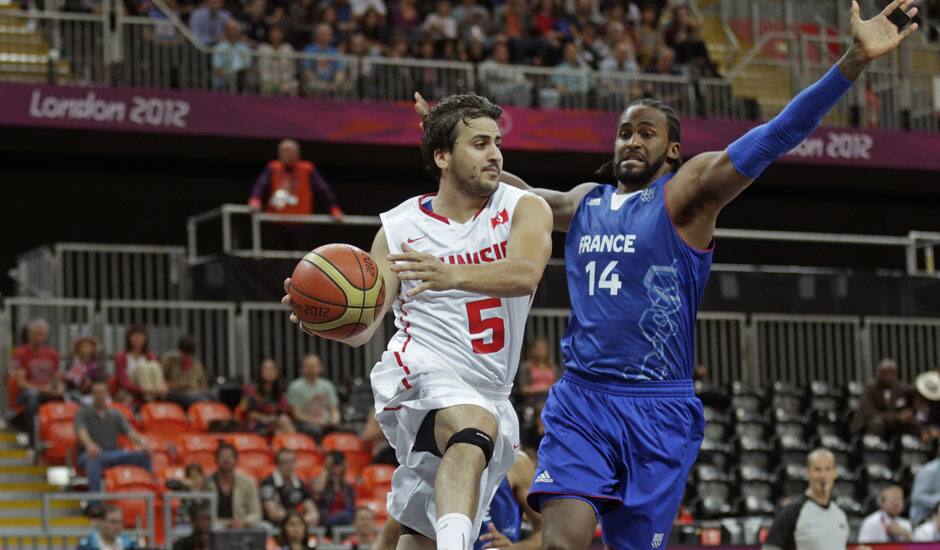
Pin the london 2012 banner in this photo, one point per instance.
(221, 114)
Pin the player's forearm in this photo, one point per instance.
(532, 543)
(506, 278)
(853, 63)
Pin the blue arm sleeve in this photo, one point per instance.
(753, 152)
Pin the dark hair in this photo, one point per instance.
(606, 171)
(440, 125)
(283, 533)
(109, 509)
(136, 329)
(199, 507)
(283, 450)
(194, 467)
(336, 457)
(223, 445)
(276, 388)
(936, 507)
(186, 344)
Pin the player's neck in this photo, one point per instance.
(625, 188)
(820, 499)
(455, 205)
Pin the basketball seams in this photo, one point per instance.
(321, 300)
(362, 274)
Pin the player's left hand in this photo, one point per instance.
(494, 539)
(878, 35)
(412, 265)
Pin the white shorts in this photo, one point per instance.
(405, 389)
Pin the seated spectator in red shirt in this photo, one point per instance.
(36, 370)
(84, 367)
(139, 373)
(185, 375)
(366, 530)
(334, 495)
(265, 403)
(538, 372)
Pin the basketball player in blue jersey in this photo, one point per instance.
(503, 522)
(623, 426)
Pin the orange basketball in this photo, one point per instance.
(336, 291)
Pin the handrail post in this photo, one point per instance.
(911, 253)
(45, 513)
(256, 235)
(226, 231)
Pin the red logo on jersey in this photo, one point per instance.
(500, 218)
(413, 240)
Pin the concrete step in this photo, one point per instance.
(34, 521)
(38, 543)
(26, 486)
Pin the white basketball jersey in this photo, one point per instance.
(478, 337)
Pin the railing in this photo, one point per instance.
(103, 271)
(916, 249)
(234, 338)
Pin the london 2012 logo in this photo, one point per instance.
(648, 194)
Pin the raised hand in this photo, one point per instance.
(878, 35)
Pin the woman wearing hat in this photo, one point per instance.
(83, 368)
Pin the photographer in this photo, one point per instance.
(333, 494)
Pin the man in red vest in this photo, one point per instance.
(287, 186)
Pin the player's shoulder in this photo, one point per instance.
(406, 208)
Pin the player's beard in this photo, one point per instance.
(643, 176)
(470, 181)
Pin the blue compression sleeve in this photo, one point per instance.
(753, 152)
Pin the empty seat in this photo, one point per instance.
(756, 458)
(746, 402)
(309, 458)
(745, 415)
(782, 416)
(377, 479)
(712, 499)
(715, 452)
(785, 388)
(203, 413)
(750, 472)
(712, 414)
(127, 413)
(716, 430)
(130, 479)
(790, 430)
(873, 449)
(163, 418)
(199, 448)
(792, 480)
(708, 472)
(756, 498)
(57, 431)
(753, 430)
(254, 453)
(792, 404)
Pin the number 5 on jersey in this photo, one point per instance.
(609, 280)
(479, 325)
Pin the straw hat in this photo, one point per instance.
(928, 384)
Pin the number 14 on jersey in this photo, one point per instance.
(609, 280)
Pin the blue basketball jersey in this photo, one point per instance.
(504, 513)
(635, 287)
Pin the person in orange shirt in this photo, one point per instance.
(288, 185)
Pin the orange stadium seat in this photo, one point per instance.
(377, 479)
(131, 479)
(379, 506)
(254, 453)
(308, 455)
(353, 448)
(200, 449)
(13, 391)
(175, 471)
(163, 418)
(57, 430)
(201, 414)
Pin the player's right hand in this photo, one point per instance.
(421, 105)
(286, 301)
(494, 539)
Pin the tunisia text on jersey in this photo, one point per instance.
(478, 337)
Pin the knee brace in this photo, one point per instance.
(475, 437)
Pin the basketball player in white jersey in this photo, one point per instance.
(460, 269)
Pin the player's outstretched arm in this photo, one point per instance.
(518, 274)
(563, 203)
(709, 181)
(379, 253)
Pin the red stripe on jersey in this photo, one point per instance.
(480, 211)
(401, 364)
(391, 408)
(407, 325)
(406, 384)
(430, 212)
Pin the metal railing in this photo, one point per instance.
(103, 271)
(67, 318)
(914, 343)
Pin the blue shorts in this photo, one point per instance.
(625, 448)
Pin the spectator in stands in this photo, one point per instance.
(201, 537)
(283, 492)
(571, 78)
(97, 428)
(683, 35)
(441, 23)
(925, 492)
(886, 406)
(313, 400)
(623, 59)
(237, 502)
(288, 186)
(886, 525)
(504, 84)
(35, 368)
(334, 495)
(185, 375)
(372, 27)
(84, 367)
(231, 59)
(254, 22)
(472, 19)
(929, 531)
(323, 75)
(361, 7)
(265, 403)
(107, 534)
(592, 47)
(513, 20)
(366, 530)
(405, 17)
(139, 374)
(195, 481)
(648, 36)
(302, 18)
(538, 372)
(208, 22)
(294, 534)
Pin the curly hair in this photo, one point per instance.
(440, 125)
(675, 135)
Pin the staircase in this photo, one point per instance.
(21, 487)
(24, 52)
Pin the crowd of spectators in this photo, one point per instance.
(631, 36)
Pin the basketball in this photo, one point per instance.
(336, 291)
